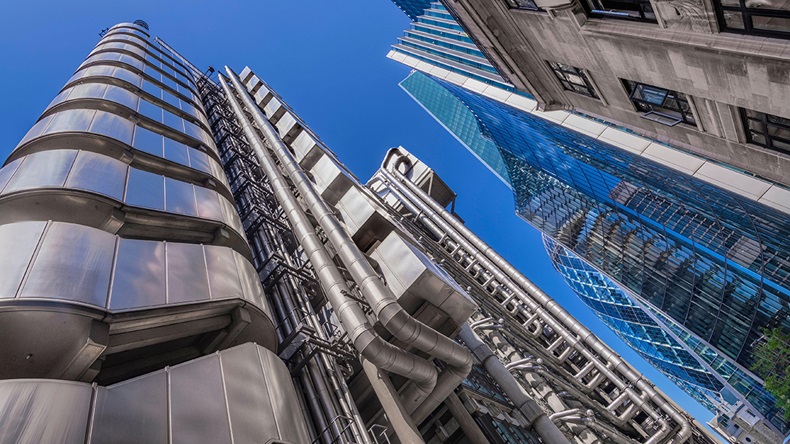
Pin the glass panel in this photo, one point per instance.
(208, 204)
(180, 197)
(145, 190)
(7, 171)
(74, 263)
(199, 160)
(173, 121)
(186, 273)
(148, 141)
(650, 94)
(771, 23)
(222, 273)
(36, 130)
(101, 174)
(152, 89)
(139, 275)
(113, 126)
(44, 169)
(88, 90)
(128, 76)
(176, 151)
(71, 120)
(251, 416)
(150, 110)
(733, 19)
(122, 96)
(17, 242)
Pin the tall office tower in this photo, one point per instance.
(644, 213)
(187, 262)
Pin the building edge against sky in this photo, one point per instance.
(445, 63)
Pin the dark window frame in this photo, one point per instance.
(523, 5)
(746, 16)
(562, 72)
(766, 121)
(670, 102)
(608, 9)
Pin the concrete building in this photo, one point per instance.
(553, 160)
(186, 261)
(709, 77)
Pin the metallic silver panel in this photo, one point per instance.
(122, 96)
(41, 411)
(112, 126)
(17, 242)
(81, 259)
(44, 169)
(145, 190)
(288, 414)
(180, 197)
(222, 273)
(186, 273)
(208, 206)
(133, 411)
(250, 282)
(251, 406)
(71, 120)
(139, 279)
(97, 173)
(197, 400)
(7, 171)
(36, 131)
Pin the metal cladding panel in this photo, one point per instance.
(40, 170)
(139, 279)
(305, 149)
(290, 423)
(133, 411)
(17, 242)
(186, 271)
(330, 180)
(410, 273)
(97, 173)
(74, 263)
(285, 124)
(7, 172)
(40, 411)
(223, 273)
(250, 405)
(197, 402)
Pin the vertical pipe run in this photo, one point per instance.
(364, 338)
(384, 304)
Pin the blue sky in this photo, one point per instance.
(327, 60)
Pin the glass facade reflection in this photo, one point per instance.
(669, 347)
(709, 260)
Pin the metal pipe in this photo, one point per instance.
(381, 299)
(465, 420)
(362, 335)
(543, 426)
(556, 318)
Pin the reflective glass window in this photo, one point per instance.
(42, 169)
(573, 79)
(122, 96)
(772, 132)
(145, 190)
(186, 273)
(665, 102)
(767, 18)
(150, 110)
(71, 120)
(148, 141)
(112, 125)
(176, 151)
(139, 279)
(180, 197)
(17, 242)
(98, 173)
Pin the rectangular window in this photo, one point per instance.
(769, 18)
(660, 105)
(523, 4)
(772, 132)
(637, 10)
(573, 79)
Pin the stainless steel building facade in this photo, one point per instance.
(187, 262)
